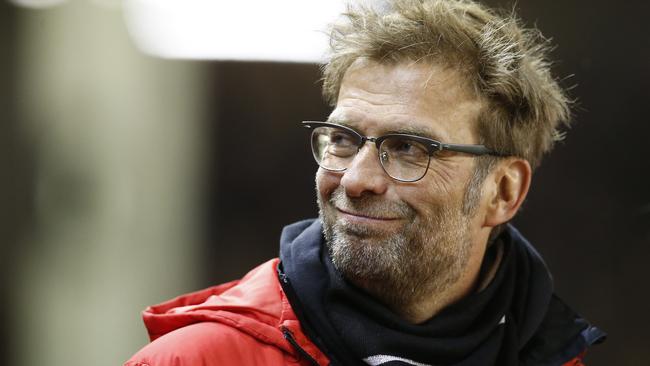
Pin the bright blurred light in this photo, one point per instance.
(37, 4)
(286, 30)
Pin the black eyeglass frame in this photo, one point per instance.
(432, 146)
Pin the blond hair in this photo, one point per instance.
(505, 64)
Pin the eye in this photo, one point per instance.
(334, 142)
(405, 148)
(341, 139)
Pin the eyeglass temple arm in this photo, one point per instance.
(468, 149)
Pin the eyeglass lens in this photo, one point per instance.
(402, 158)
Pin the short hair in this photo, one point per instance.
(504, 63)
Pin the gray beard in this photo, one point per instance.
(423, 260)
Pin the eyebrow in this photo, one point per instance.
(406, 130)
(421, 132)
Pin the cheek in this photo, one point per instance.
(441, 188)
(326, 182)
(443, 176)
(449, 178)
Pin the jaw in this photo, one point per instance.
(444, 240)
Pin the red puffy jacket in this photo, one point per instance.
(244, 322)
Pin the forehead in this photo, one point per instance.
(412, 97)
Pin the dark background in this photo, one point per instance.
(588, 211)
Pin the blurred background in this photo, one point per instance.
(131, 172)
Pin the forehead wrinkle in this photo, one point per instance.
(423, 100)
(399, 127)
(432, 76)
(416, 131)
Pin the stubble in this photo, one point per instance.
(426, 257)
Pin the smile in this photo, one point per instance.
(361, 217)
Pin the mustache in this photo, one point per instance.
(370, 205)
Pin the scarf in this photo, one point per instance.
(514, 320)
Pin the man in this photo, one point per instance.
(441, 111)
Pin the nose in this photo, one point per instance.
(365, 174)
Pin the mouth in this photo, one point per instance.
(364, 217)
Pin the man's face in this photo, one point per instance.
(400, 241)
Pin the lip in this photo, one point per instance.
(361, 217)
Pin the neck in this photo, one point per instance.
(420, 310)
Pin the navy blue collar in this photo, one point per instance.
(515, 320)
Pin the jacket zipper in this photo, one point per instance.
(283, 276)
(289, 337)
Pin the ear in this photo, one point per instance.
(510, 181)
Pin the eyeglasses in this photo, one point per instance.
(403, 157)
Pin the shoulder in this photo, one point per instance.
(207, 344)
(563, 335)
